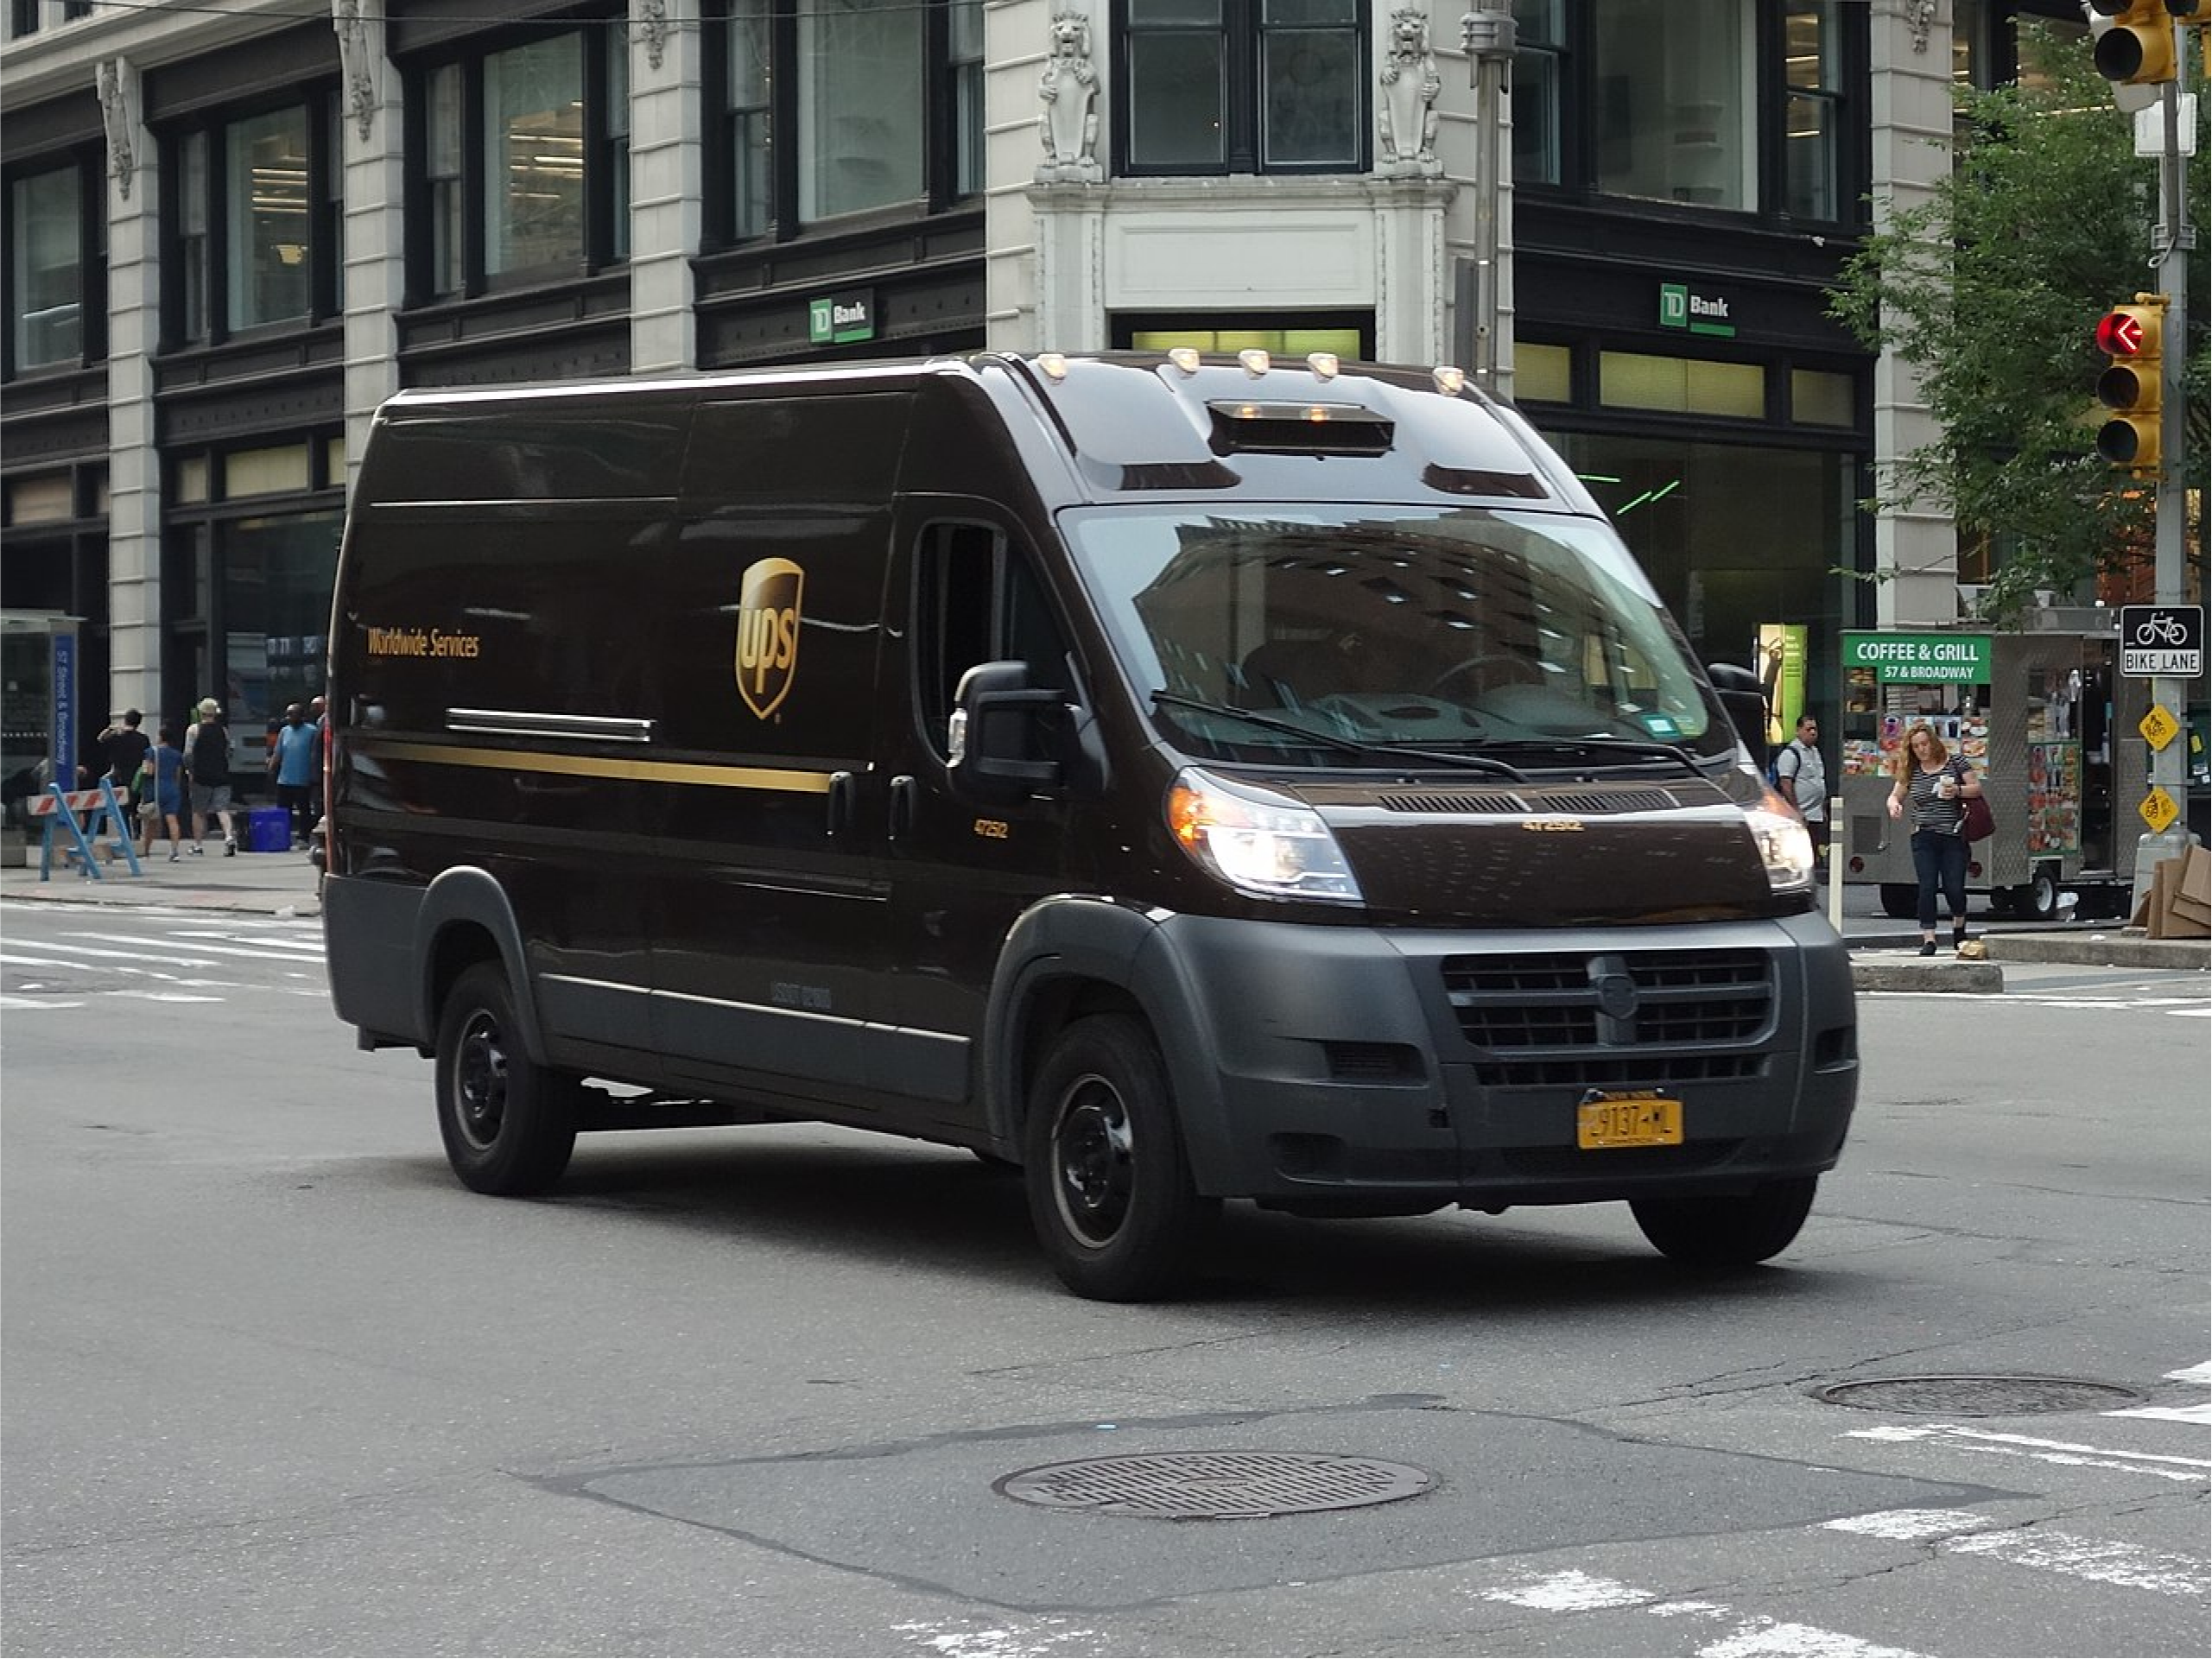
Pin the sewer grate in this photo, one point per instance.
(1216, 1485)
(1979, 1397)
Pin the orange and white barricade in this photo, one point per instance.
(105, 814)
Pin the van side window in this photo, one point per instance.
(976, 600)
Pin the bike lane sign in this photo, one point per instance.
(2161, 640)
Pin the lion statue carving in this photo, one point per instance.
(1406, 112)
(1068, 123)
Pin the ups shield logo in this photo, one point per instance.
(768, 633)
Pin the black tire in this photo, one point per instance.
(2040, 896)
(1728, 1231)
(1109, 1186)
(509, 1124)
(2004, 902)
(1900, 901)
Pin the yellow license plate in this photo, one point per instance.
(1606, 1119)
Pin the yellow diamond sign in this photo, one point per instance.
(2158, 727)
(2158, 810)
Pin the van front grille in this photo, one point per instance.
(1583, 803)
(1632, 1018)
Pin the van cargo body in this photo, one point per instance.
(1187, 779)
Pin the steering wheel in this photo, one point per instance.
(1506, 668)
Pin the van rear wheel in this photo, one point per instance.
(1109, 1186)
(509, 1124)
(1734, 1231)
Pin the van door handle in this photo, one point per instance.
(841, 802)
(903, 789)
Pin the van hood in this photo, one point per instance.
(1535, 855)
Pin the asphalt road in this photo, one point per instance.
(270, 1381)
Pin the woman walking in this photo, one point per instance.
(1931, 782)
(164, 793)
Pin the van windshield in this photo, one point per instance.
(1457, 629)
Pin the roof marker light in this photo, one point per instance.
(1323, 363)
(1184, 358)
(1449, 381)
(1255, 361)
(1054, 364)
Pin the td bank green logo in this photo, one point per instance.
(1697, 313)
(819, 326)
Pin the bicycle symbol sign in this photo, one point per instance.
(2160, 640)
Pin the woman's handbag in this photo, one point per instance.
(1976, 821)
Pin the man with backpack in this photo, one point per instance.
(207, 758)
(1801, 778)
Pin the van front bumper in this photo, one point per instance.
(1406, 1069)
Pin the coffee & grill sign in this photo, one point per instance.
(1920, 659)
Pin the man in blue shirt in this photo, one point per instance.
(292, 763)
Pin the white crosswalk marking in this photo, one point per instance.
(2067, 1453)
(2093, 1559)
(1766, 1638)
(261, 954)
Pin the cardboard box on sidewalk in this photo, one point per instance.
(2178, 904)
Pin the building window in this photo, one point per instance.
(266, 224)
(1812, 127)
(45, 269)
(534, 155)
(1676, 102)
(253, 223)
(859, 106)
(849, 106)
(1539, 71)
(1241, 86)
(522, 169)
(964, 93)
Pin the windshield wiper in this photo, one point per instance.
(1337, 742)
(1625, 745)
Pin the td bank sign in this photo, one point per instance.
(1698, 312)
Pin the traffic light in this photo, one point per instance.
(2139, 47)
(2131, 387)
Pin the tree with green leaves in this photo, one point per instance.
(1991, 289)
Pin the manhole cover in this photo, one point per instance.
(1979, 1397)
(1216, 1485)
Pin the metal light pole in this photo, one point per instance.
(1488, 33)
(2172, 243)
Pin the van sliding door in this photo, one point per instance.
(767, 827)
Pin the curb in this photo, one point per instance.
(1930, 973)
(2112, 950)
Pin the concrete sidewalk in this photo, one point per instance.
(265, 884)
(1884, 956)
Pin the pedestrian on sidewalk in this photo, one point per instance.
(164, 793)
(1801, 777)
(207, 758)
(126, 748)
(292, 768)
(1931, 785)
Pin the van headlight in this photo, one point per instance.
(1259, 843)
(1784, 847)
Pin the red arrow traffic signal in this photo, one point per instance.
(2120, 334)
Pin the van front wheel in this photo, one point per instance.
(1109, 1188)
(1728, 1231)
(509, 1124)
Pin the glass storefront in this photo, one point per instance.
(1733, 536)
(278, 573)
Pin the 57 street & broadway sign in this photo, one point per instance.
(1920, 659)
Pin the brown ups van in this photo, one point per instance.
(1187, 778)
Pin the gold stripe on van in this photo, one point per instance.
(645, 771)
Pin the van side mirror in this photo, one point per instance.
(1744, 695)
(1001, 732)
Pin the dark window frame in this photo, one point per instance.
(87, 164)
(781, 218)
(211, 130)
(604, 238)
(1242, 34)
(1577, 56)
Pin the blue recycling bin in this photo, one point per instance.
(268, 829)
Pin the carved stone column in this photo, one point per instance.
(666, 180)
(372, 133)
(132, 202)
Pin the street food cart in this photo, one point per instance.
(2050, 725)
